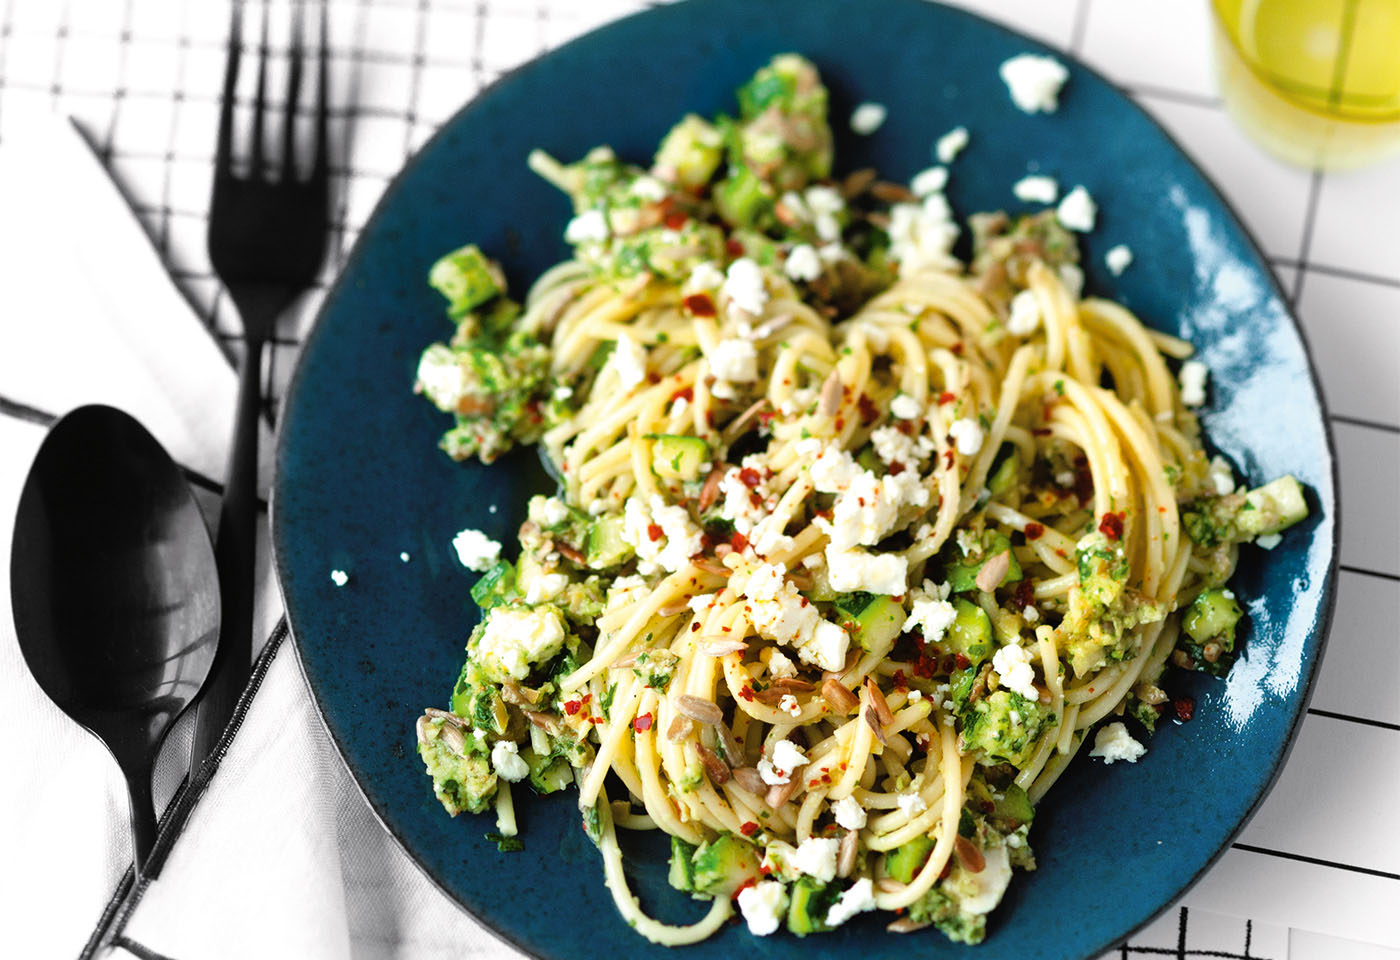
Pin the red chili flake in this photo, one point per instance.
(840, 423)
(706, 544)
(700, 304)
(750, 882)
(868, 411)
(896, 468)
(1111, 525)
(962, 661)
(1025, 594)
(948, 458)
(642, 723)
(695, 626)
(947, 396)
(750, 477)
(709, 422)
(926, 666)
(687, 394)
(901, 682)
(572, 707)
(1185, 707)
(733, 247)
(804, 601)
(748, 828)
(767, 416)
(1041, 431)
(738, 541)
(957, 349)
(654, 531)
(1034, 531)
(596, 720)
(675, 219)
(1083, 480)
(746, 692)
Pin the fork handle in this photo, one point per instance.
(235, 550)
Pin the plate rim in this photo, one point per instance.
(1318, 637)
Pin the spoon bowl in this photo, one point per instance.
(116, 597)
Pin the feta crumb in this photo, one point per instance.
(1034, 82)
(816, 857)
(931, 614)
(340, 578)
(403, 555)
(905, 407)
(735, 360)
(476, 550)
(849, 813)
(852, 570)
(743, 285)
(766, 582)
(950, 145)
(705, 276)
(968, 435)
(551, 512)
(859, 897)
(591, 226)
(834, 470)
(915, 695)
(1036, 189)
(931, 180)
(1025, 314)
(1118, 259)
(629, 359)
(803, 263)
(516, 637)
(505, 758)
(649, 188)
(867, 118)
(893, 445)
(781, 665)
(1268, 541)
(1077, 211)
(827, 646)
(1073, 279)
(823, 199)
(1114, 743)
(789, 705)
(1013, 665)
(546, 586)
(1222, 478)
(763, 905)
(911, 803)
(787, 757)
(1031, 614)
(1193, 383)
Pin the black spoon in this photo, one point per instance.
(116, 597)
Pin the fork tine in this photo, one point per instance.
(223, 152)
(295, 54)
(321, 166)
(259, 159)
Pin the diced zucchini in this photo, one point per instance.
(870, 460)
(872, 619)
(682, 874)
(906, 860)
(606, 548)
(1004, 471)
(678, 458)
(811, 901)
(1014, 805)
(963, 576)
(724, 865)
(1213, 616)
(467, 279)
(743, 199)
(690, 154)
(496, 586)
(1273, 507)
(971, 632)
(547, 774)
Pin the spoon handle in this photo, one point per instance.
(143, 817)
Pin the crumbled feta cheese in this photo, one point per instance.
(591, 226)
(803, 263)
(441, 378)
(929, 181)
(930, 613)
(1013, 665)
(1034, 82)
(743, 285)
(1222, 478)
(516, 637)
(867, 117)
(546, 586)
(766, 582)
(849, 813)
(1268, 541)
(340, 578)
(403, 555)
(950, 144)
(629, 359)
(1025, 314)
(786, 758)
(905, 407)
(548, 511)
(1193, 383)
(816, 857)
(649, 188)
(851, 570)
(1118, 259)
(1036, 189)
(826, 647)
(663, 535)
(859, 897)
(795, 205)
(763, 905)
(780, 665)
(834, 470)
(968, 435)
(893, 445)
(911, 803)
(1031, 614)
(1073, 279)
(863, 513)
(822, 199)
(789, 705)
(700, 602)
(505, 758)
(768, 537)
(1077, 211)
(915, 695)
(828, 227)
(705, 276)
(1114, 743)
(476, 550)
(735, 360)
(922, 234)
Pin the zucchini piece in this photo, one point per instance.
(905, 860)
(724, 865)
(870, 460)
(963, 576)
(1273, 507)
(811, 901)
(496, 586)
(1014, 805)
(971, 632)
(691, 152)
(467, 279)
(1005, 471)
(1213, 616)
(682, 873)
(548, 774)
(606, 548)
(872, 619)
(743, 199)
(678, 458)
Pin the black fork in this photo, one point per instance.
(267, 239)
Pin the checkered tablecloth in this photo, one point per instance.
(142, 78)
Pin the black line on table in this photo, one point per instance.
(1367, 572)
(139, 949)
(1317, 861)
(1345, 273)
(1081, 26)
(1181, 934)
(1363, 422)
(1248, 937)
(1352, 718)
(1309, 222)
(60, 48)
(415, 77)
(6, 28)
(119, 94)
(1175, 96)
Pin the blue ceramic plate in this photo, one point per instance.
(360, 479)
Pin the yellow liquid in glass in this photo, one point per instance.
(1317, 82)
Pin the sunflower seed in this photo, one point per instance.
(874, 722)
(781, 793)
(680, 728)
(905, 925)
(749, 779)
(888, 192)
(721, 648)
(701, 711)
(993, 571)
(877, 700)
(857, 181)
(715, 768)
(830, 400)
(846, 857)
(709, 493)
(793, 685)
(452, 735)
(968, 855)
(836, 695)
